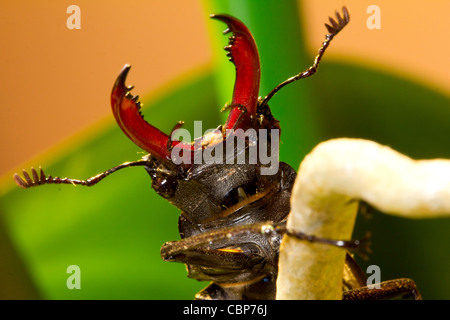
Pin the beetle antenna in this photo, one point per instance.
(333, 30)
(42, 179)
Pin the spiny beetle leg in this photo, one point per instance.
(219, 241)
(222, 258)
(359, 246)
(225, 236)
(391, 289)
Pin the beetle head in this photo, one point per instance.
(180, 182)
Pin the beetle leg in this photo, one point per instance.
(230, 259)
(218, 260)
(217, 244)
(333, 30)
(223, 236)
(206, 239)
(41, 179)
(360, 246)
(391, 289)
(243, 53)
(353, 276)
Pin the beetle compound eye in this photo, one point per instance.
(165, 187)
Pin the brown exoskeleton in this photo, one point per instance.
(233, 213)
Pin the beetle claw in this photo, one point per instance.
(119, 86)
(123, 76)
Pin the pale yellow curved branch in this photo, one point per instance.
(330, 178)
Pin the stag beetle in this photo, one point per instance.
(232, 214)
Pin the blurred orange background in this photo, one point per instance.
(56, 82)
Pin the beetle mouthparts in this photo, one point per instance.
(243, 53)
(127, 111)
